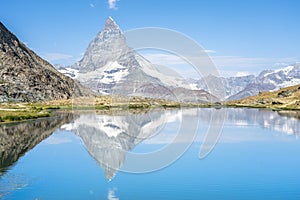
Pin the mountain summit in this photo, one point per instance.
(109, 66)
(109, 45)
(111, 25)
(25, 77)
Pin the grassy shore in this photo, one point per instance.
(18, 114)
(283, 99)
(11, 112)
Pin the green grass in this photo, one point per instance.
(139, 106)
(12, 116)
(171, 105)
(11, 112)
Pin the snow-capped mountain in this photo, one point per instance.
(244, 86)
(281, 78)
(271, 80)
(232, 85)
(109, 66)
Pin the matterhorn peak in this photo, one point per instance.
(110, 19)
(111, 25)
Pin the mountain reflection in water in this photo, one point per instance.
(109, 136)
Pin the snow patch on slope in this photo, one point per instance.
(113, 72)
(70, 72)
(285, 70)
(294, 81)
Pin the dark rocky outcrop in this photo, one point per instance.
(26, 77)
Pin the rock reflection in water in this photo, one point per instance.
(18, 138)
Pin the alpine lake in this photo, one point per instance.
(194, 153)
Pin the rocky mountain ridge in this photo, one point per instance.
(245, 86)
(26, 77)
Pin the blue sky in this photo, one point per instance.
(246, 36)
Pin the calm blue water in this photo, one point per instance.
(256, 157)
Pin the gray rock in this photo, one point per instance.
(26, 77)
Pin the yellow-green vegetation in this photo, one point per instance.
(283, 99)
(105, 102)
(22, 111)
(19, 112)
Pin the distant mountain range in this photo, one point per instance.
(267, 80)
(110, 67)
(26, 77)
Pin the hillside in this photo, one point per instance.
(285, 98)
(26, 77)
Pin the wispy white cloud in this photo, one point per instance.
(55, 140)
(56, 57)
(168, 59)
(242, 74)
(224, 61)
(232, 65)
(68, 127)
(251, 62)
(183, 67)
(111, 195)
(112, 4)
(209, 51)
(164, 59)
(92, 5)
